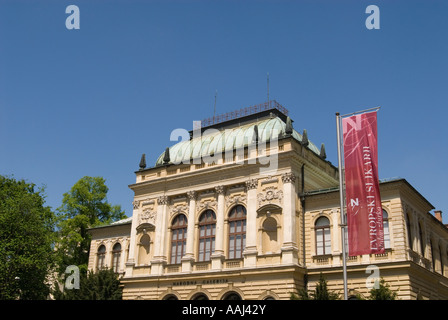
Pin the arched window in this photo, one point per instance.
(237, 232)
(269, 235)
(143, 250)
(386, 230)
(207, 230)
(170, 297)
(116, 254)
(200, 296)
(232, 296)
(178, 238)
(409, 231)
(101, 255)
(323, 236)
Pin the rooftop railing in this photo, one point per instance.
(268, 105)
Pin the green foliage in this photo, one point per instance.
(26, 240)
(101, 285)
(321, 292)
(83, 207)
(383, 292)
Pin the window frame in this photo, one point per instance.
(116, 257)
(204, 235)
(322, 228)
(233, 220)
(101, 257)
(178, 228)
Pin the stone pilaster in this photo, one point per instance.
(250, 252)
(218, 256)
(160, 255)
(188, 258)
(130, 263)
(289, 245)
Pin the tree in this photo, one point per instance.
(26, 240)
(101, 285)
(321, 292)
(383, 292)
(83, 207)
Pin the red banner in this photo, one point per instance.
(364, 211)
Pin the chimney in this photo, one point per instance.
(438, 215)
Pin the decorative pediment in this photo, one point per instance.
(145, 227)
(268, 210)
(235, 199)
(207, 204)
(179, 208)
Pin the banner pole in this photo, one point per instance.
(341, 199)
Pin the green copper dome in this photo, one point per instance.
(214, 141)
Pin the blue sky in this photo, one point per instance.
(91, 101)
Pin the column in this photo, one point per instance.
(250, 252)
(218, 256)
(289, 246)
(188, 258)
(160, 257)
(131, 261)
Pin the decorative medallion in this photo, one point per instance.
(147, 216)
(270, 195)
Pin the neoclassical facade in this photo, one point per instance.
(246, 207)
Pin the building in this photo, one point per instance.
(246, 207)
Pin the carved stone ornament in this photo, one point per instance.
(235, 199)
(135, 204)
(147, 216)
(180, 208)
(220, 189)
(252, 184)
(288, 177)
(192, 195)
(270, 195)
(206, 204)
(162, 200)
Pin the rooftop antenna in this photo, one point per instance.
(268, 89)
(214, 112)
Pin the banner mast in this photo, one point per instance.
(342, 193)
(341, 199)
